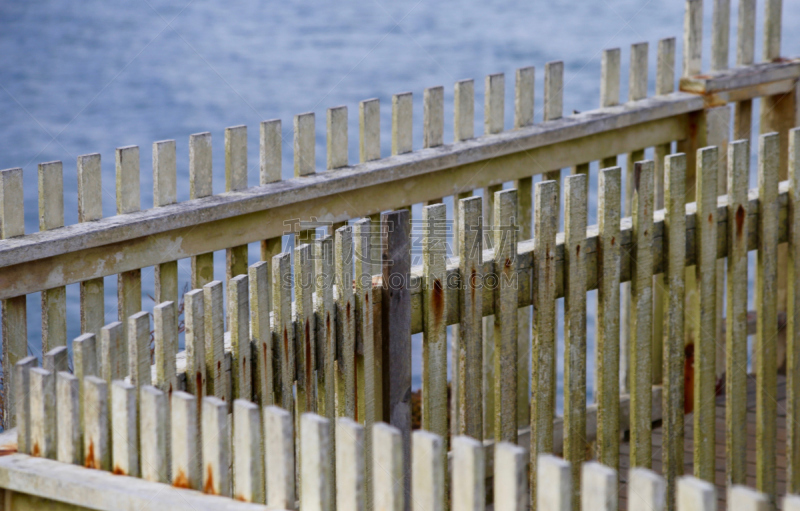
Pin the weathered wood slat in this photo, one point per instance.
(164, 193)
(576, 200)
(315, 496)
(201, 185)
(214, 328)
(90, 207)
(326, 328)
(640, 347)
(464, 110)
(543, 392)
(510, 478)
(239, 327)
(187, 447)
(345, 324)
(646, 490)
(598, 487)
(390, 489)
(792, 317)
(469, 479)
(305, 342)
(154, 429)
(429, 457)
(22, 402)
(51, 216)
(692, 38)
(433, 117)
(113, 360)
(139, 349)
(350, 463)
(736, 317)
(129, 283)
(767, 307)
(720, 34)
(742, 498)
(494, 104)
(69, 434)
(336, 121)
(609, 89)
(402, 112)
(124, 429)
(165, 319)
(283, 329)
(369, 123)
(235, 179)
(84, 361)
(745, 53)
(695, 495)
(607, 337)
(96, 424)
(56, 360)
(216, 445)
(195, 341)
(261, 348)
(248, 458)
(489, 377)
(554, 482)
(279, 458)
(553, 104)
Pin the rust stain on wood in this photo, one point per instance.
(438, 301)
(741, 216)
(118, 471)
(90, 461)
(181, 481)
(208, 486)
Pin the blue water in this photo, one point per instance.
(82, 77)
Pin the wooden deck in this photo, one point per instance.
(720, 441)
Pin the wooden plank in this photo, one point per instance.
(489, 377)
(96, 424)
(165, 319)
(692, 38)
(124, 429)
(90, 207)
(369, 123)
(283, 328)
(113, 360)
(326, 328)
(772, 29)
(742, 498)
(84, 358)
(736, 317)
(56, 360)
(434, 346)
(793, 309)
(248, 460)
(469, 478)
(598, 487)
(433, 117)
(14, 310)
(745, 52)
(494, 104)
(402, 115)
(22, 402)
(139, 349)
(195, 342)
(200, 185)
(395, 320)
(523, 96)
(720, 34)
(315, 491)
(766, 306)
(165, 193)
(646, 490)
(706, 316)
(510, 478)
(42, 413)
(345, 325)
(216, 447)
(51, 216)
(470, 352)
(428, 472)
(69, 433)
(553, 103)
(279, 458)
(609, 89)
(154, 433)
(674, 370)
(186, 446)
(235, 179)
(505, 319)
(641, 315)
(269, 151)
(555, 484)
(576, 199)
(304, 144)
(607, 336)
(337, 137)
(464, 110)
(695, 495)
(543, 392)
(261, 333)
(350, 458)
(637, 87)
(305, 343)
(214, 328)
(391, 492)
(239, 327)
(129, 283)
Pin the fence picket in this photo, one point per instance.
(69, 432)
(402, 116)
(186, 445)
(326, 328)
(599, 489)
(640, 347)
(369, 123)
(695, 495)
(428, 472)
(14, 310)
(113, 359)
(464, 110)
(124, 429)
(248, 459)
(165, 319)
(511, 478)
(720, 34)
(90, 207)
(337, 137)
(200, 185)
(523, 96)
(610, 64)
(270, 160)
(51, 216)
(96, 424)
(433, 117)
(543, 392)
(283, 327)
(389, 474)
(346, 334)
(350, 484)
(304, 313)
(576, 199)
(42, 413)
(494, 104)
(315, 434)
(554, 482)
(792, 327)
(56, 360)
(139, 349)
(747, 499)
(165, 188)
(469, 480)
(235, 179)
(693, 38)
(304, 144)
(553, 106)
(736, 338)
(261, 333)
(765, 365)
(154, 417)
(239, 326)
(194, 339)
(279, 458)
(214, 328)
(646, 490)
(22, 404)
(216, 444)
(129, 283)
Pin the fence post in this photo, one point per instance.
(113, 359)
(56, 360)
(306, 328)
(345, 324)
(369, 127)
(554, 107)
(260, 333)
(746, 499)
(194, 319)
(139, 349)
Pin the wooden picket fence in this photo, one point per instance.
(310, 361)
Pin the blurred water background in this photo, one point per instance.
(90, 76)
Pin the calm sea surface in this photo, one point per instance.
(84, 77)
